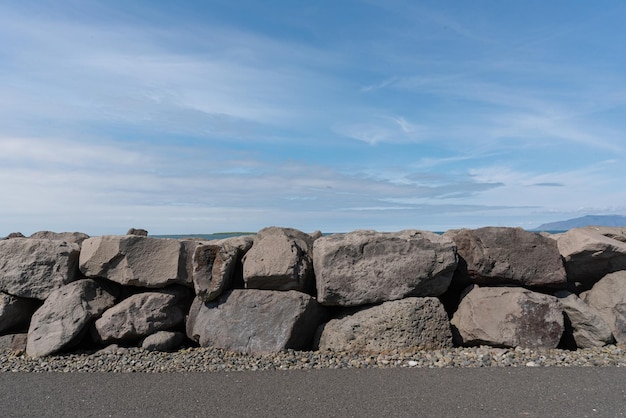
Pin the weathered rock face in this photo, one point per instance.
(74, 237)
(163, 341)
(364, 267)
(64, 315)
(15, 311)
(135, 260)
(32, 268)
(589, 255)
(496, 255)
(589, 329)
(397, 325)
(255, 321)
(15, 343)
(280, 259)
(143, 314)
(137, 231)
(608, 297)
(215, 264)
(508, 317)
(14, 235)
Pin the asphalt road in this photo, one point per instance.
(498, 392)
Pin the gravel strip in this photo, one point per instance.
(209, 359)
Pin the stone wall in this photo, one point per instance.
(284, 289)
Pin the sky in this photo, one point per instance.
(333, 115)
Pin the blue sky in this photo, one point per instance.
(197, 117)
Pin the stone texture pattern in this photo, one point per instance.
(143, 314)
(589, 328)
(498, 255)
(163, 341)
(15, 311)
(134, 260)
(213, 269)
(407, 324)
(280, 259)
(65, 315)
(608, 297)
(589, 255)
(364, 267)
(32, 268)
(255, 321)
(508, 317)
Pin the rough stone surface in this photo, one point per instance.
(65, 314)
(405, 324)
(255, 321)
(15, 343)
(498, 255)
(137, 231)
(14, 235)
(589, 329)
(589, 255)
(32, 268)
(508, 317)
(15, 311)
(364, 267)
(614, 232)
(75, 237)
(280, 259)
(143, 314)
(135, 260)
(608, 297)
(213, 269)
(163, 341)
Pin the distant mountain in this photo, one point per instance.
(589, 220)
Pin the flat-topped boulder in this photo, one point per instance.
(75, 237)
(590, 254)
(255, 321)
(407, 324)
(280, 259)
(500, 255)
(365, 267)
(608, 297)
(508, 317)
(135, 260)
(33, 268)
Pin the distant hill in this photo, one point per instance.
(595, 220)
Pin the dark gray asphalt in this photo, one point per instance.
(499, 392)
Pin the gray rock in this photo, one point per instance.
(32, 268)
(64, 315)
(13, 235)
(498, 255)
(143, 314)
(135, 260)
(279, 260)
(163, 341)
(213, 269)
(589, 329)
(137, 231)
(364, 267)
(508, 317)
(397, 325)
(617, 233)
(255, 321)
(74, 237)
(608, 297)
(15, 311)
(589, 255)
(15, 343)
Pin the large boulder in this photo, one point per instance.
(407, 324)
(589, 255)
(500, 255)
(508, 317)
(135, 260)
(255, 321)
(32, 268)
(280, 259)
(215, 264)
(364, 267)
(74, 237)
(608, 297)
(143, 314)
(589, 329)
(15, 311)
(63, 317)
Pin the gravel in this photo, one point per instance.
(128, 360)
